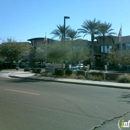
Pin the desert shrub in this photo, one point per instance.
(97, 74)
(125, 78)
(49, 74)
(59, 72)
(43, 74)
(73, 75)
(80, 77)
(46, 74)
(27, 69)
(95, 78)
(68, 72)
(112, 76)
(81, 72)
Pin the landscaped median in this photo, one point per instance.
(91, 75)
(54, 78)
(94, 75)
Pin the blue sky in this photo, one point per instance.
(25, 19)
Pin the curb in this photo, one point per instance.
(71, 82)
(3, 72)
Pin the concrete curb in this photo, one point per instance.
(81, 82)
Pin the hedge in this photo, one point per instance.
(68, 72)
(81, 72)
(59, 72)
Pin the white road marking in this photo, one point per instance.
(21, 91)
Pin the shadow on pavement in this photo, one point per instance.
(125, 97)
(21, 80)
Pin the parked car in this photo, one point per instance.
(40, 64)
(75, 69)
(23, 64)
(80, 66)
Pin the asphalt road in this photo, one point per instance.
(39, 105)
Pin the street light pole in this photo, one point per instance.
(65, 17)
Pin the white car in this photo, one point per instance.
(80, 66)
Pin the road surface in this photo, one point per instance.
(41, 105)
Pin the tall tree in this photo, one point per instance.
(91, 28)
(78, 52)
(115, 58)
(72, 35)
(56, 52)
(59, 32)
(12, 50)
(105, 29)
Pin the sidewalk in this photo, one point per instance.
(28, 75)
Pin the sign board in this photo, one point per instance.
(106, 67)
(51, 67)
(69, 66)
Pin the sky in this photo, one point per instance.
(25, 19)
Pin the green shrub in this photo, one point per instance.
(59, 72)
(68, 72)
(36, 70)
(17, 68)
(32, 69)
(81, 72)
(125, 78)
(120, 69)
(27, 69)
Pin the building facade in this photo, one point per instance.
(104, 46)
(101, 46)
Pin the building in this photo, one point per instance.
(100, 46)
(104, 46)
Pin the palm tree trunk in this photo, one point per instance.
(92, 40)
(103, 44)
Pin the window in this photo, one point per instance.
(107, 49)
(127, 46)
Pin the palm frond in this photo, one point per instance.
(59, 32)
(90, 27)
(73, 34)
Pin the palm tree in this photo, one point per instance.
(59, 32)
(106, 30)
(73, 34)
(91, 28)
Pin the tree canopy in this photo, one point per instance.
(12, 50)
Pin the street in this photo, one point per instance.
(41, 105)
